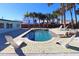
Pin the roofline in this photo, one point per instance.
(10, 20)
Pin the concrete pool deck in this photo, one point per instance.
(43, 48)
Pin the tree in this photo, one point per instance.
(56, 15)
(43, 17)
(26, 15)
(69, 7)
(60, 11)
(39, 17)
(48, 18)
(75, 14)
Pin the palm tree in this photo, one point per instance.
(35, 16)
(64, 15)
(70, 6)
(48, 18)
(43, 17)
(26, 15)
(39, 17)
(56, 15)
(52, 17)
(61, 12)
(32, 15)
(72, 21)
(75, 14)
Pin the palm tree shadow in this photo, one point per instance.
(2, 42)
(72, 47)
(19, 52)
(2, 47)
(14, 34)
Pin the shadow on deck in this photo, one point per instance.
(73, 47)
(14, 34)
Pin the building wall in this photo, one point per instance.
(8, 27)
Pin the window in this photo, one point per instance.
(18, 25)
(9, 25)
(1, 25)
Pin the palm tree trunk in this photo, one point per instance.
(61, 19)
(47, 22)
(57, 20)
(33, 22)
(64, 20)
(75, 14)
(43, 22)
(39, 22)
(62, 5)
(72, 22)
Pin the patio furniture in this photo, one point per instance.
(60, 42)
(71, 32)
(71, 39)
(13, 43)
(63, 29)
(61, 33)
(60, 27)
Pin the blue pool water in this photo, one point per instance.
(39, 35)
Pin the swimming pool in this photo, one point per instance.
(39, 35)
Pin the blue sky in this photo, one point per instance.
(15, 11)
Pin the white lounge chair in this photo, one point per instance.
(71, 39)
(60, 27)
(12, 42)
(63, 29)
(60, 42)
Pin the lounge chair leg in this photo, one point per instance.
(23, 45)
(58, 43)
(67, 46)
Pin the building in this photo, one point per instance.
(9, 25)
